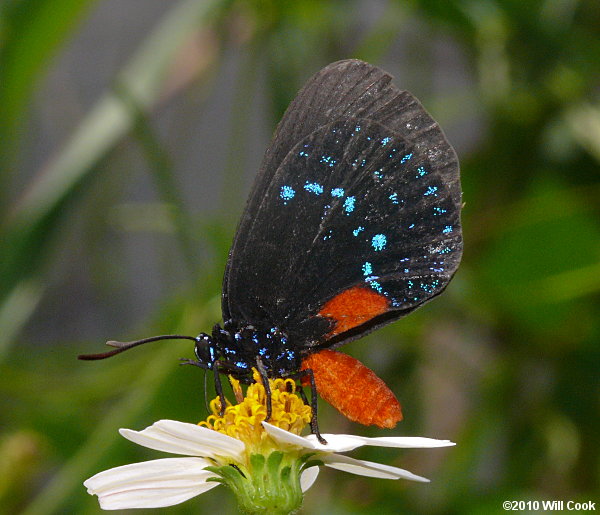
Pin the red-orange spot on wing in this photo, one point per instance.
(353, 389)
(353, 307)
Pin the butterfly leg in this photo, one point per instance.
(216, 367)
(314, 422)
(265, 380)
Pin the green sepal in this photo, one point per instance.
(268, 485)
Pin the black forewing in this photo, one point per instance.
(342, 90)
(351, 204)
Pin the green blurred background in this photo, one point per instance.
(130, 132)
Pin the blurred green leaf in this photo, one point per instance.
(31, 33)
(555, 242)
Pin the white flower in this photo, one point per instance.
(169, 481)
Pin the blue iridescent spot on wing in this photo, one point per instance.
(421, 172)
(385, 141)
(376, 286)
(406, 158)
(438, 211)
(313, 187)
(349, 204)
(429, 287)
(328, 160)
(431, 191)
(394, 198)
(447, 229)
(303, 154)
(367, 268)
(337, 192)
(358, 230)
(379, 242)
(326, 209)
(287, 193)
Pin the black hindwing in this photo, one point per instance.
(358, 188)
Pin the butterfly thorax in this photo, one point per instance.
(240, 347)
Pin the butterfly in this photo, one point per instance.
(353, 222)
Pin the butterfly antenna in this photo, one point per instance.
(123, 346)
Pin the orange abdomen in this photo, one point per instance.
(353, 389)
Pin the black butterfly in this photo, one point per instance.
(352, 223)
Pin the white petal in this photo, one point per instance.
(344, 443)
(151, 484)
(308, 477)
(183, 438)
(282, 436)
(368, 468)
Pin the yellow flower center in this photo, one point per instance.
(243, 420)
